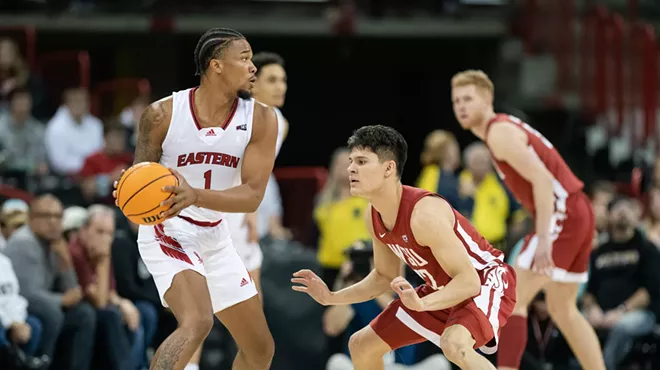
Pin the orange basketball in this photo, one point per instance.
(140, 191)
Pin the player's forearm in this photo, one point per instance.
(461, 287)
(544, 202)
(367, 289)
(239, 199)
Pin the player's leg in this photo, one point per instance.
(189, 300)
(247, 324)
(457, 344)
(513, 335)
(561, 299)
(256, 278)
(367, 349)
(237, 305)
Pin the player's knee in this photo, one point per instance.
(261, 352)
(198, 324)
(454, 345)
(360, 345)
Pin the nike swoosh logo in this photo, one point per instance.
(382, 235)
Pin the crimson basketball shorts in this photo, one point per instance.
(573, 232)
(482, 315)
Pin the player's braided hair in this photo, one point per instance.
(211, 44)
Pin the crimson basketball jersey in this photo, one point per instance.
(420, 259)
(565, 182)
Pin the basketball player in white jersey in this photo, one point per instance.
(270, 89)
(221, 145)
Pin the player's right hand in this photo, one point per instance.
(543, 263)
(311, 284)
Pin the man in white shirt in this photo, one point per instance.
(73, 134)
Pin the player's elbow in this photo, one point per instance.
(472, 283)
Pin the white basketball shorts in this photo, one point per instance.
(250, 253)
(184, 244)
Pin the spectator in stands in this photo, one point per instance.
(48, 281)
(15, 73)
(134, 282)
(624, 285)
(546, 347)
(440, 159)
(72, 220)
(16, 326)
(22, 136)
(652, 223)
(73, 134)
(340, 221)
(487, 201)
(103, 168)
(602, 193)
(118, 320)
(130, 118)
(12, 217)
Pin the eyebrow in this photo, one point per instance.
(245, 51)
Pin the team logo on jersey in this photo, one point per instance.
(405, 238)
(220, 159)
(242, 127)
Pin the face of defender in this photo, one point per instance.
(271, 85)
(367, 173)
(236, 66)
(470, 105)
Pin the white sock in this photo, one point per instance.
(191, 367)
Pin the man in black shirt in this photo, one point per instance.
(624, 282)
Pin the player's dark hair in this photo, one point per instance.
(266, 58)
(386, 142)
(211, 45)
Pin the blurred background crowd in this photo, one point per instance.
(75, 76)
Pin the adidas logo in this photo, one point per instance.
(210, 133)
(244, 282)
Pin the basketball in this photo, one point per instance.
(140, 192)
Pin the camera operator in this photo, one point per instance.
(345, 319)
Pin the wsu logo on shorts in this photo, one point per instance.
(495, 278)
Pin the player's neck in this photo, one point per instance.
(212, 104)
(479, 130)
(387, 202)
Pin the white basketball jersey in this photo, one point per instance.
(280, 130)
(208, 158)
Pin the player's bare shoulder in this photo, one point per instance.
(430, 215)
(502, 135)
(152, 129)
(264, 122)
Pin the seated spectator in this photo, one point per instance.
(12, 217)
(134, 282)
(14, 73)
(48, 281)
(22, 138)
(104, 167)
(441, 158)
(16, 326)
(73, 134)
(118, 321)
(601, 194)
(344, 320)
(546, 346)
(624, 284)
(488, 203)
(130, 118)
(72, 220)
(652, 223)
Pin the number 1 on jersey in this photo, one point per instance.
(207, 179)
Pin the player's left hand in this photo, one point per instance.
(114, 186)
(185, 196)
(407, 294)
(543, 263)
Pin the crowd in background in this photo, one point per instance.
(75, 294)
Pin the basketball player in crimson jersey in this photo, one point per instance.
(555, 257)
(220, 144)
(469, 292)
